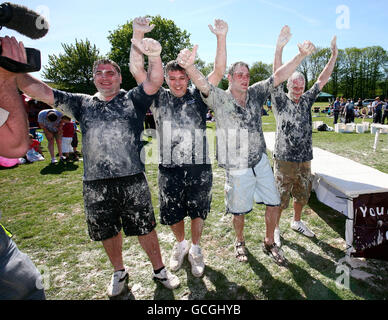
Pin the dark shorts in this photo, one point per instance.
(184, 191)
(112, 204)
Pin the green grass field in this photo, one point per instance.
(42, 205)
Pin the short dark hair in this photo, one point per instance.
(172, 66)
(106, 61)
(65, 117)
(233, 67)
(52, 116)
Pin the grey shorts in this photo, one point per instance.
(19, 278)
(112, 204)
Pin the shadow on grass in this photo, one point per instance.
(272, 288)
(224, 289)
(162, 293)
(312, 287)
(58, 168)
(333, 218)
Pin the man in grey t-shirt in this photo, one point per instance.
(116, 193)
(185, 174)
(241, 147)
(293, 145)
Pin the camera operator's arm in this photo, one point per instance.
(14, 140)
(35, 88)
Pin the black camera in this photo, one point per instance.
(28, 23)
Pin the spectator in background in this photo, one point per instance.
(209, 115)
(385, 111)
(377, 109)
(336, 109)
(34, 153)
(50, 121)
(359, 104)
(67, 136)
(269, 106)
(74, 142)
(342, 108)
(149, 121)
(349, 111)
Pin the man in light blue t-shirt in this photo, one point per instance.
(50, 121)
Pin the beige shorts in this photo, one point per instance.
(293, 179)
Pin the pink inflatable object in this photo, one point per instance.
(5, 162)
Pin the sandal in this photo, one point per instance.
(275, 253)
(241, 251)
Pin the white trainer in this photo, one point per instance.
(118, 282)
(301, 227)
(178, 254)
(196, 260)
(167, 279)
(276, 236)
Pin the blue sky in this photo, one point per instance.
(253, 24)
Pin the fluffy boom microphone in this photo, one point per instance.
(23, 20)
(28, 23)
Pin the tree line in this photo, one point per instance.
(359, 72)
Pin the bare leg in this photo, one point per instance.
(113, 248)
(196, 230)
(179, 230)
(150, 244)
(271, 217)
(297, 211)
(58, 139)
(238, 224)
(278, 218)
(50, 143)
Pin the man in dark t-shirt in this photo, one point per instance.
(185, 174)
(293, 145)
(116, 192)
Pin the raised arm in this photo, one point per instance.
(220, 29)
(286, 70)
(186, 59)
(152, 49)
(284, 37)
(14, 140)
(328, 70)
(141, 26)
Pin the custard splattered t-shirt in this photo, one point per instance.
(181, 127)
(240, 139)
(111, 131)
(293, 125)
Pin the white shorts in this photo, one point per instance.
(245, 186)
(66, 145)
